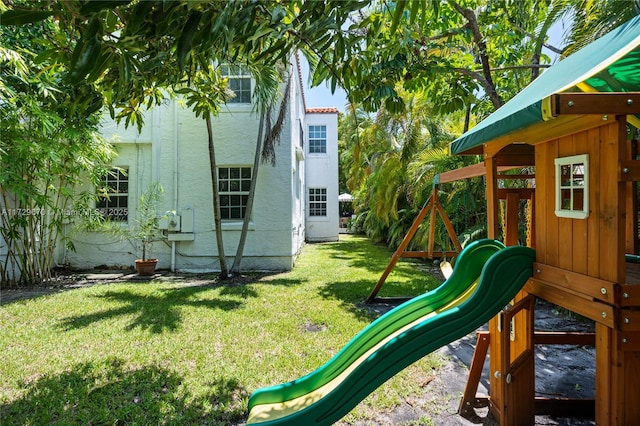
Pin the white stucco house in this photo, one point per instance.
(296, 201)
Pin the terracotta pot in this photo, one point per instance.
(146, 267)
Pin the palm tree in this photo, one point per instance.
(268, 89)
(394, 159)
(591, 20)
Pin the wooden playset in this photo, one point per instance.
(573, 128)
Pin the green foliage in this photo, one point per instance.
(592, 20)
(48, 151)
(423, 65)
(132, 50)
(392, 160)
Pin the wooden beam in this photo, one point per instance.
(588, 286)
(543, 132)
(629, 295)
(512, 224)
(523, 193)
(471, 171)
(502, 176)
(631, 208)
(492, 198)
(401, 248)
(626, 103)
(629, 319)
(447, 224)
(574, 301)
(629, 341)
(629, 171)
(432, 221)
(462, 173)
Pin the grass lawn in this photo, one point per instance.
(175, 351)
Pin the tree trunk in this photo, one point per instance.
(481, 45)
(235, 268)
(217, 217)
(265, 151)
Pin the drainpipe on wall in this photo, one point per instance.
(175, 177)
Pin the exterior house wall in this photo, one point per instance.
(172, 149)
(322, 172)
(298, 165)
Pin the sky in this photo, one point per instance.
(321, 96)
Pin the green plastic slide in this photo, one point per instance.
(485, 278)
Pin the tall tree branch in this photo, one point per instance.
(487, 80)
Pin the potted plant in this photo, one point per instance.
(144, 228)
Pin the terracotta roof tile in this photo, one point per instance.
(322, 110)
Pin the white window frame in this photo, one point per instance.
(227, 188)
(241, 74)
(570, 183)
(321, 201)
(317, 138)
(110, 204)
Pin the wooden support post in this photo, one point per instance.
(517, 363)
(449, 226)
(532, 222)
(432, 222)
(631, 232)
(469, 397)
(492, 197)
(432, 207)
(512, 222)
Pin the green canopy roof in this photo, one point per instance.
(609, 64)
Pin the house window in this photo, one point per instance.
(317, 201)
(317, 139)
(113, 197)
(233, 188)
(572, 186)
(239, 82)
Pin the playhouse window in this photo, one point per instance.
(233, 186)
(572, 186)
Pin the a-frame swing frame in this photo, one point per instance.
(431, 207)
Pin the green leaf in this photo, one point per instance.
(278, 14)
(21, 17)
(397, 14)
(261, 32)
(414, 11)
(104, 61)
(93, 6)
(186, 39)
(44, 55)
(86, 59)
